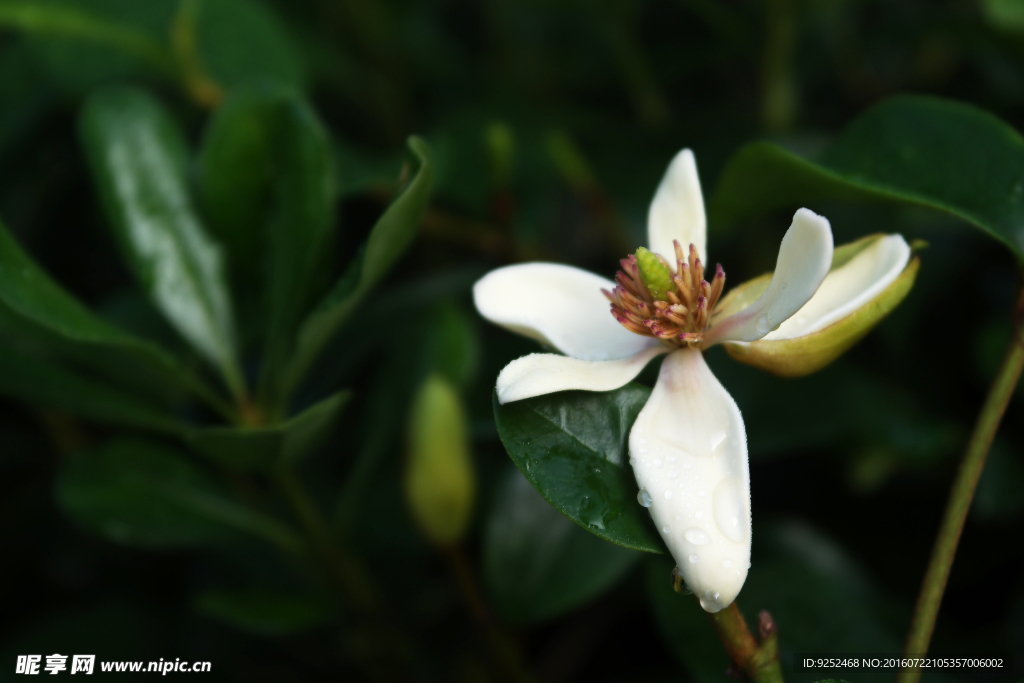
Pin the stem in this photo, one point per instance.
(759, 661)
(504, 652)
(934, 584)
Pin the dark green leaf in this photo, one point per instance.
(265, 614)
(139, 162)
(912, 149)
(36, 381)
(572, 446)
(62, 21)
(146, 494)
(684, 625)
(390, 237)
(266, 176)
(264, 448)
(34, 298)
(242, 39)
(536, 563)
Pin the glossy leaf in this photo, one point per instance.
(267, 180)
(27, 292)
(539, 565)
(48, 385)
(572, 446)
(264, 613)
(265, 448)
(147, 494)
(925, 151)
(390, 237)
(139, 163)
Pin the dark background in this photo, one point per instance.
(849, 468)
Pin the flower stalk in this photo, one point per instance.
(758, 661)
(960, 497)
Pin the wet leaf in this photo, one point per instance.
(572, 446)
(139, 163)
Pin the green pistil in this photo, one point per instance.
(655, 274)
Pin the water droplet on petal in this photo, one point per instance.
(666, 529)
(671, 458)
(697, 536)
(762, 325)
(673, 474)
(694, 558)
(729, 510)
(668, 495)
(643, 498)
(726, 563)
(657, 462)
(717, 439)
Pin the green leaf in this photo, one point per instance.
(33, 297)
(265, 448)
(242, 39)
(572, 446)
(267, 180)
(147, 494)
(56, 20)
(264, 613)
(390, 237)
(139, 162)
(30, 379)
(919, 150)
(536, 563)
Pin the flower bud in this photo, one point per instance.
(439, 481)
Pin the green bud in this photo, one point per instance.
(439, 481)
(655, 274)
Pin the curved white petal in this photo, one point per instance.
(546, 373)
(849, 287)
(688, 448)
(805, 257)
(558, 305)
(677, 212)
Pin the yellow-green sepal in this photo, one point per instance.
(809, 353)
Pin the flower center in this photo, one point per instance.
(670, 304)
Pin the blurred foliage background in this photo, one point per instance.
(549, 124)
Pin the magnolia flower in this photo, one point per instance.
(688, 447)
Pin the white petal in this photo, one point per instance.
(689, 451)
(559, 305)
(849, 287)
(805, 257)
(546, 373)
(677, 212)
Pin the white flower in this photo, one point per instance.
(688, 446)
